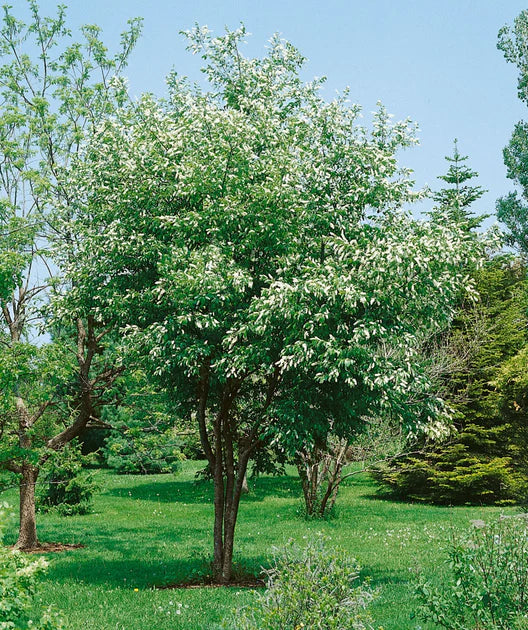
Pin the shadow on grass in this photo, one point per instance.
(201, 491)
(151, 572)
(117, 560)
(359, 479)
(387, 497)
(285, 487)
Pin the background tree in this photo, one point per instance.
(251, 238)
(52, 91)
(455, 200)
(511, 209)
(146, 437)
(480, 463)
(320, 463)
(483, 462)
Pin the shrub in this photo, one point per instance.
(8, 480)
(92, 441)
(136, 452)
(487, 588)
(18, 585)
(67, 488)
(453, 475)
(191, 445)
(481, 374)
(146, 437)
(315, 587)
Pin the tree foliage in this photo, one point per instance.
(511, 209)
(484, 461)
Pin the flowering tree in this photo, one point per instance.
(250, 240)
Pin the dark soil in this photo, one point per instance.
(246, 582)
(52, 548)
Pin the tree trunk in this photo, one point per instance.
(336, 461)
(245, 487)
(27, 536)
(226, 513)
(308, 469)
(320, 471)
(229, 475)
(228, 482)
(219, 504)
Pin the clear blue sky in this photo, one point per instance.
(433, 61)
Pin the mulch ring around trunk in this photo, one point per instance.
(247, 582)
(51, 547)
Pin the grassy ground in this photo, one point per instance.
(156, 530)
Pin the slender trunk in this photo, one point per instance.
(245, 487)
(336, 461)
(229, 527)
(308, 469)
(305, 483)
(228, 482)
(306, 492)
(314, 475)
(229, 477)
(227, 493)
(27, 536)
(231, 516)
(219, 499)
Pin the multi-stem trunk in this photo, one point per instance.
(320, 471)
(228, 491)
(335, 475)
(228, 455)
(228, 483)
(308, 462)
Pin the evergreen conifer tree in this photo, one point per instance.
(454, 201)
(481, 462)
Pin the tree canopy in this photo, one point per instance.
(511, 209)
(250, 239)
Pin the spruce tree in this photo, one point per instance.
(453, 202)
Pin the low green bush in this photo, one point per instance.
(487, 584)
(147, 437)
(19, 576)
(313, 588)
(66, 488)
(481, 366)
(137, 452)
(452, 475)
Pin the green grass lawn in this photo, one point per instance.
(157, 530)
